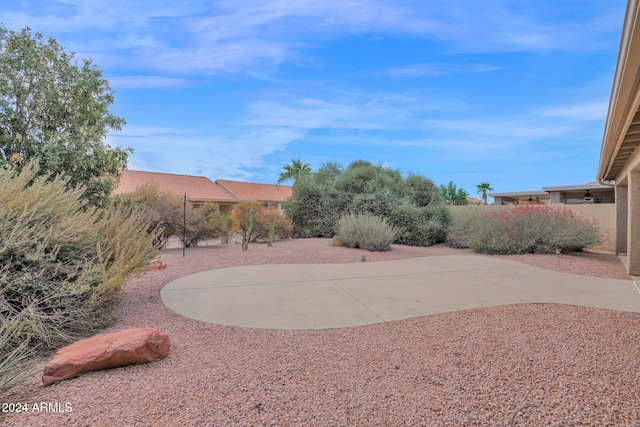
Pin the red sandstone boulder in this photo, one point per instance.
(156, 264)
(335, 241)
(105, 351)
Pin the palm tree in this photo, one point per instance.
(482, 188)
(294, 171)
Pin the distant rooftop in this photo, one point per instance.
(202, 188)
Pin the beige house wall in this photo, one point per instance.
(633, 224)
(603, 213)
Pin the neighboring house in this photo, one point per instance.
(519, 197)
(620, 157)
(591, 192)
(473, 200)
(268, 194)
(200, 189)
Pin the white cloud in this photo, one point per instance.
(593, 110)
(147, 82)
(505, 128)
(178, 151)
(199, 36)
(356, 111)
(439, 69)
(319, 114)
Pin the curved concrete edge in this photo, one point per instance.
(327, 296)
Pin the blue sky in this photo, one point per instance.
(513, 92)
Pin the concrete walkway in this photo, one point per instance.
(320, 296)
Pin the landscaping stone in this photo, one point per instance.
(335, 241)
(106, 351)
(156, 264)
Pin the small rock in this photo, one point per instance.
(335, 241)
(436, 408)
(156, 264)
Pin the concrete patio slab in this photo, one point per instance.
(322, 296)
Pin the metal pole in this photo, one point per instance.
(184, 223)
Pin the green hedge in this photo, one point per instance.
(412, 204)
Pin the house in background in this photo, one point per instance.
(620, 157)
(519, 197)
(473, 200)
(200, 189)
(591, 192)
(269, 194)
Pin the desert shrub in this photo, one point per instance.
(165, 211)
(523, 229)
(263, 218)
(315, 207)
(161, 210)
(271, 217)
(421, 226)
(413, 204)
(379, 203)
(14, 369)
(227, 228)
(366, 231)
(423, 192)
(63, 263)
(463, 224)
(203, 222)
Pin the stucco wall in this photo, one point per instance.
(603, 213)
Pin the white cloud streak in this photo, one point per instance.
(178, 151)
(198, 36)
(590, 110)
(147, 82)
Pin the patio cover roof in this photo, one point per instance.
(593, 185)
(622, 128)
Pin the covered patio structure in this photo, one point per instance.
(620, 156)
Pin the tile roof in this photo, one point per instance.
(196, 187)
(253, 191)
(473, 200)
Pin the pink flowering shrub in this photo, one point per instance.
(522, 229)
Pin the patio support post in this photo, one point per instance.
(633, 224)
(622, 214)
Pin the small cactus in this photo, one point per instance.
(247, 235)
(272, 232)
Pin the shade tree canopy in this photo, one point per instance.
(453, 195)
(56, 112)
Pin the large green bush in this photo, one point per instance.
(366, 231)
(412, 204)
(62, 262)
(522, 229)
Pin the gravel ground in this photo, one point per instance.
(520, 365)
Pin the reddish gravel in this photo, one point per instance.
(520, 365)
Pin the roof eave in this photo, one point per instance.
(625, 93)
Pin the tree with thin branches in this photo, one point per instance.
(294, 171)
(482, 188)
